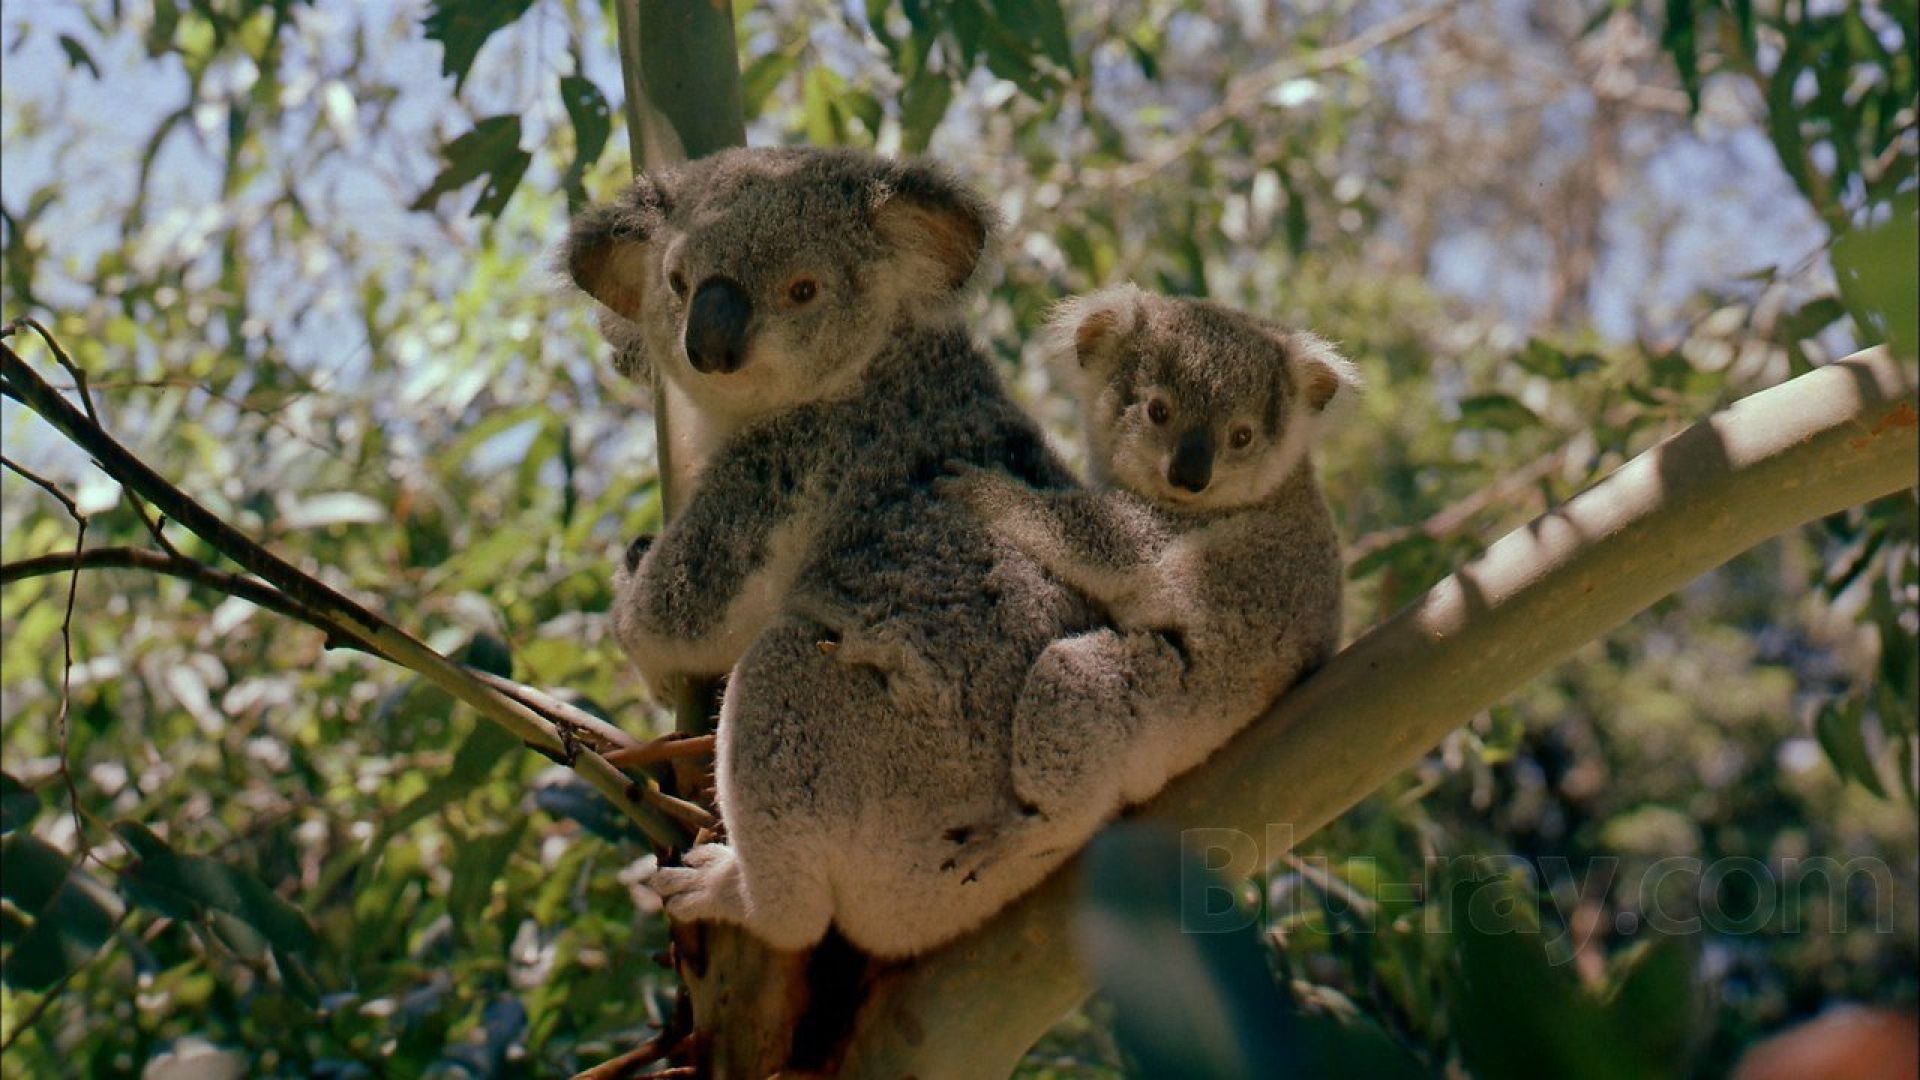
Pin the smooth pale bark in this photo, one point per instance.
(1830, 439)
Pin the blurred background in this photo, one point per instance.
(301, 251)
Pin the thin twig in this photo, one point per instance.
(59, 356)
(46, 485)
(692, 815)
(669, 747)
(66, 645)
(80, 387)
(625, 1065)
(251, 589)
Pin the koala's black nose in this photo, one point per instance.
(716, 338)
(1192, 467)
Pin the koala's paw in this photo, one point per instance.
(705, 888)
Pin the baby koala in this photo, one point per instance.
(1206, 540)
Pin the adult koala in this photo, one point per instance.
(805, 304)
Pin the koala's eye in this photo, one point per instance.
(677, 282)
(1239, 437)
(803, 290)
(1157, 411)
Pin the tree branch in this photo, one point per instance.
(335, 610)
(1833, 438)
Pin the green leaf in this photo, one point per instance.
(1189, 999)
(574, 799)
(478, 862)
(1878, 266)
(499, 186)
(818, 96)
(1040, 26)
(18, 803)
(1548, 360)
(592, 122)
(476, 759)
(491, 149)
(1809, 319)
(923, 104)
(1677, 38)
(199, 887)
(71, 913)
(1654, 1002)
(1839, 729)
(490, 654)
(1498, 412)
(78, 57)
(1514, 1013)
(864, 107)
(760, 78)
(463, 26)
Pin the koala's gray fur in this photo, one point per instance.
(847, 791)
(1213, 552)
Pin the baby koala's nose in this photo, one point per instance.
(1192, 466)
(716, 337)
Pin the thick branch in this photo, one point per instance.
(1828, 440)
(354, 621)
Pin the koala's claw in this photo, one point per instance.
(704, 888)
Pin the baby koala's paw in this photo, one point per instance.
(989, 493)
(704, 888)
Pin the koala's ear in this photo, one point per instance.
(1320, 373)
(606, 248)
(1091, 328)
(935, 219)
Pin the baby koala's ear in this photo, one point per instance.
(606, 246)
(1092, 328)
(935, 220)
(1320, 374)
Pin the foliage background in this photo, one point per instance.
(300, 250)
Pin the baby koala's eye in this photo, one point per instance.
(1239, 437)
(1157, 411)
(678, 283)
(803, 290)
